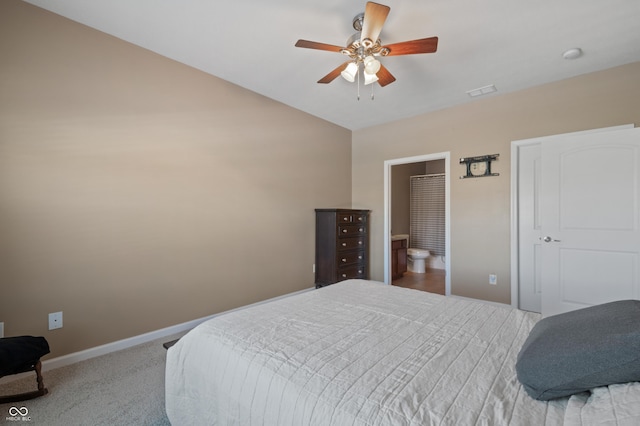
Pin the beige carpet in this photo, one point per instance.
(121, 388)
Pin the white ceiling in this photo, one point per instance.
(513, 44)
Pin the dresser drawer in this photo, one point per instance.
(351, 230)
(349, 272)
(352, 218)
(345, 218)
(359, 218)
(350, 257)
(351, 243)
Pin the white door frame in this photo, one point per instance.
(387, 211)
(515, 157)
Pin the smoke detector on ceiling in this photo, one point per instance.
(572, 53)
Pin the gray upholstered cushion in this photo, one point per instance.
(580, 350)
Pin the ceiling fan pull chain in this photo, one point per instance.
(358, 84)
(372, 97)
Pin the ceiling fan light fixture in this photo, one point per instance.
(371, 65)
(350, 72)
(369, 78)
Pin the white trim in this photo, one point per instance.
(515, 257)
(515, 156)
(387, 211)
(83, 355)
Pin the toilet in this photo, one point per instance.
(417, 259)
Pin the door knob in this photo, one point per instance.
(548, 239)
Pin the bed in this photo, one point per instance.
(365, 353)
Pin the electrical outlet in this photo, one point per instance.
(493, 279)
(55, 320)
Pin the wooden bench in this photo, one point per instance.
(20, 355)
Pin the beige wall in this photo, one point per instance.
(401, 194)
(137, 193)
(480, 208)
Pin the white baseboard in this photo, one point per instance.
(72, 358)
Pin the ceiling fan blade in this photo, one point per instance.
(384, 76)
(424, 45)
(374, 16)
(319, 46)
(333, 74)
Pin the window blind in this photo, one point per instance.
(427, 213)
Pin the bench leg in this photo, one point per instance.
(28, 395)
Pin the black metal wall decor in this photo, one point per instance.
(479, 166)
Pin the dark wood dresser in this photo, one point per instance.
(342, 245)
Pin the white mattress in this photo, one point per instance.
(364, 353)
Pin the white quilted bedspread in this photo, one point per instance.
(364, 353)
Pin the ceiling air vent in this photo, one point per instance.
(482, 91)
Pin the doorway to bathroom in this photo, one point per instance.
(397, 220)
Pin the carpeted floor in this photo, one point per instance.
(121, 388)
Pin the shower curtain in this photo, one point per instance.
(427, 213)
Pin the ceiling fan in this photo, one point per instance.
(364, 46)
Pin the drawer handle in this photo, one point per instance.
(361, 230)
(344, 260)
(359, 271)
(344, 231)
(359, 257)
(344, 275)
(359, 243)
(344, 244)
(346, 219)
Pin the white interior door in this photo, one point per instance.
(526, 227)
(590, 199)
